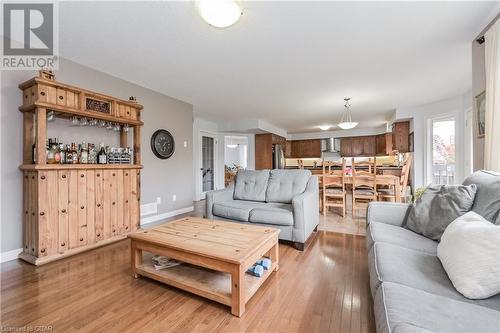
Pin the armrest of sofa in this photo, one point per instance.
(306, 211)
(388, 212)
(217, 196)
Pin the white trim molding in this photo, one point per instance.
(10, 255)
(159, 217)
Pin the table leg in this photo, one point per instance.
(135, 258)
(237, 294)
(274, 255)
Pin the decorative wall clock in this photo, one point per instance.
(162, 144)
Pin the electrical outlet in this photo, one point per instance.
(158, 200)
(185, 144)
(174, 197)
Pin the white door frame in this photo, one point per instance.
(199, 178)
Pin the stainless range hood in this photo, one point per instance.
(330, 145)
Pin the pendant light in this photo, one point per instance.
(219, 13)
(346, 120)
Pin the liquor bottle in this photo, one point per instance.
(84, 154)
(69, 155)
(51, 153)
(92, 154)
(74, 153)
(57, 151)
(62, 152)
(102, 158)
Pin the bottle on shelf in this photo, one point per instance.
(102, 157)
(62, 152)
(92, 154)
(69, 155)
(84, 154)
(51, 152)
(74, 153)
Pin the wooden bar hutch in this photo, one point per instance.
(70, 208)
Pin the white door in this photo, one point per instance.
(208, 151)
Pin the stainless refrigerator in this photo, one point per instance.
(278, 157)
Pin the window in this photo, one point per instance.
(443, 151)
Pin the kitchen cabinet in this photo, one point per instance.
(303, 149)
(358, 146)
(383, 144)
(346, 147)
(400, 133)
(264, 149)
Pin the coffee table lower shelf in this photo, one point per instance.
(204, 282)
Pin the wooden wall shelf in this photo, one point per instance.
(31, 167)
(71, 208)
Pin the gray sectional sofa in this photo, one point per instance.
(410, 288)
(284, 199)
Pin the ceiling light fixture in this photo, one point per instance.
(324, 127)
(346, 119)
(219, 13)
(231, 144)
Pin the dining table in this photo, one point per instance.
(387, 180)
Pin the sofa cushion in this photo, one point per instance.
(419, 270)
(395, 304)
(470, 253)
(271, 213)
(251, 185)
(388, 233)
(284, 185)
(438, 206)
(234, 209)
(487, 202)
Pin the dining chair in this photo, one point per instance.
(389, 194)
(364, 190)
(366, 167)
(300, 164)
(333, 186)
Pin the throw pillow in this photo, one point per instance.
(438, 206)
(470, 254)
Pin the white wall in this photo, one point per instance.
(420, 115)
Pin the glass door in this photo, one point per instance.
(207, 162)
(443, 151)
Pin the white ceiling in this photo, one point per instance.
(289, 63)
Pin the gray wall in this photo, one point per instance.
(160, 178)
(478, 86)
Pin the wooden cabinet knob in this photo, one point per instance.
(26, 212)
(126, 228)
(114, 203)
(61, 97)
(26, 177)
(42, 213)
(98, 175)
(126, 201)
(42, 250)
(113, 174)
(32, 94)
(63, 211)
(114, 230)
(126, 173)
(42, 93)
(98, 205)
(81, 239)
(82, 175)
(82, 207)
(98, 235)
(63, 244)
(43, 177)
(25, 96)
(32, 177)
(64, 176)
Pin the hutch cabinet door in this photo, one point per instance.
(90, 207)
(63, 194)
(119, 203)
(73, 209)
(47, 213)
(82, 207)
(134, 200)
(99, 205)
(108, 188)
(127, 199)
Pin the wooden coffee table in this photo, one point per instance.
(216, 256)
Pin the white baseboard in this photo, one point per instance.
(10, 255)
(159, 217)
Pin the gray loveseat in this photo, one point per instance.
(284, 199)
(410, 288)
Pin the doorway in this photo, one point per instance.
(207, 166)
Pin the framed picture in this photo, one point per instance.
(480, 113)
(410, 142)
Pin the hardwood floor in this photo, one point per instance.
(323, 289)
(334, 222)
